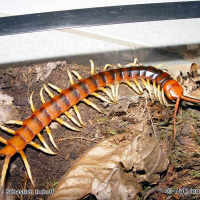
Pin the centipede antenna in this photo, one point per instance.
(62, 122)
(37, 146)
(5, 167)
(190, 99)
(107, 93)
(92, 67)
(3, 140)
(100, 97)
(77, 74)
(8, 130)
(50, 136)
(133, 87)
(138, 85)
(14, 122)
(92, 105)
(175, 114)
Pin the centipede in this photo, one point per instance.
(158, 83)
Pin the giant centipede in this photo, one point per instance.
(156, 81)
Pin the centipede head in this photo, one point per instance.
(174, 91)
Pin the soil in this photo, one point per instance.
(47, 170)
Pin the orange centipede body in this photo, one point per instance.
(162, 82)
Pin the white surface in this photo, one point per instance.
(63, 43)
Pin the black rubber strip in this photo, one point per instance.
(99, 16)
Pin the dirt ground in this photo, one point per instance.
(47, 170)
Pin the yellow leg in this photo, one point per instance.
(92, 67)
(159, 95)
(113, 92)
(5, 167)
(62, 122)
(68, 115)
(7, 130)
(119, 65)
(3, 140)
(55, 87)
(14, 122)
(41, 138)
(77, 74)
(144, 83)
(117, 90)
(47, 91)
(31, 102)
(50, 136)
(78, 114)
(92, 105)
(107, 93)
(161, 65)
(27, 166)
(155, 90)
(149, 88)
(37, 146)
(101, 97)
(106, 67)
(133, 64)
(164, 99)
(138, 85)
(133, 87)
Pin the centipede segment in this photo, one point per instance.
(159, 84)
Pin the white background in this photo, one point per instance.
(64, 43)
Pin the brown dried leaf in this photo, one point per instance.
(112, 169)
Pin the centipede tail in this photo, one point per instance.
(159, 84)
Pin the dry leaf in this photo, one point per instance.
(114, 168)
